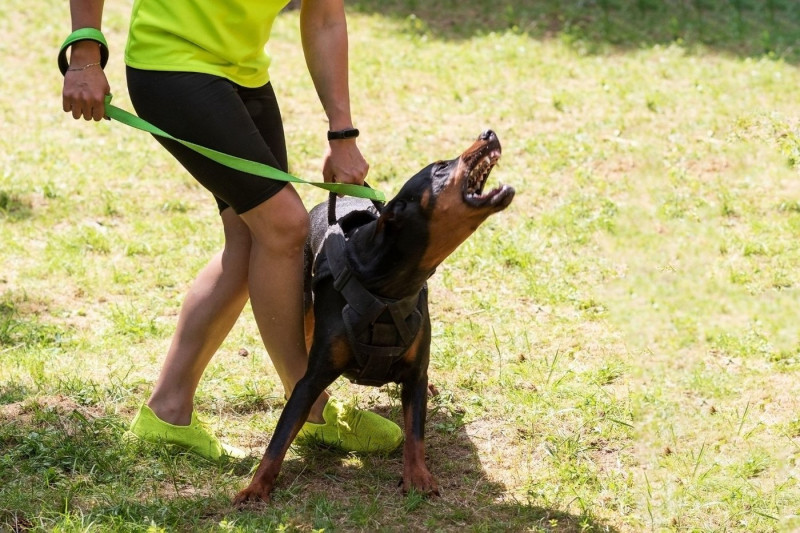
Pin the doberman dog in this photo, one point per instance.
(366, 275)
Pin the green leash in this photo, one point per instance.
(237, 163)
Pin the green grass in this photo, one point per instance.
(618, 351)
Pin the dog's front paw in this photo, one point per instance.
(252, 494)
(420, 480)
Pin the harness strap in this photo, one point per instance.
(374, 343)
(399, 319)
(356, 295)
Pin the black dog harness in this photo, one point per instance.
(380, 330)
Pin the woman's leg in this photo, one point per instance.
(279, 228)
(216, 298)
(246, 122)
(211, 307)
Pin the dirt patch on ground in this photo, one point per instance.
(23, 412)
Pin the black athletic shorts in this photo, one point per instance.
(216, 113)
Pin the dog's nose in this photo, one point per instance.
(487, 135)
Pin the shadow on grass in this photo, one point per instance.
(745, 28)
(324, 489)
(63, 466)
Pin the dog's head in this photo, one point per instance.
(445, 202)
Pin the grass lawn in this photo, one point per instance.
(617, 351)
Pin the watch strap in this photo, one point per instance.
(347, 133)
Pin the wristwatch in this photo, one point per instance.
(348, 133)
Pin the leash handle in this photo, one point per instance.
(332, 204)
(238, 163)
(82, 34)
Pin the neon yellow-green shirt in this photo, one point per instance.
(221, 37)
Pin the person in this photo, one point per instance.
(199, 71)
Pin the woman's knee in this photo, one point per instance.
(292, 227)
(281, 223)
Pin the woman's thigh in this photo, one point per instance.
(218, 114)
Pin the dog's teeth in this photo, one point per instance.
(478, 175)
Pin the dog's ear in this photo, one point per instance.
(391, 214)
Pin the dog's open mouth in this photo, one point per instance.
(484, 161)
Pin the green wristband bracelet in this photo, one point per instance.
(83, 34)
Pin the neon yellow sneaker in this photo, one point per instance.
(195, 437)
(353, 430)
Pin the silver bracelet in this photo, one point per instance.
(83, 67)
